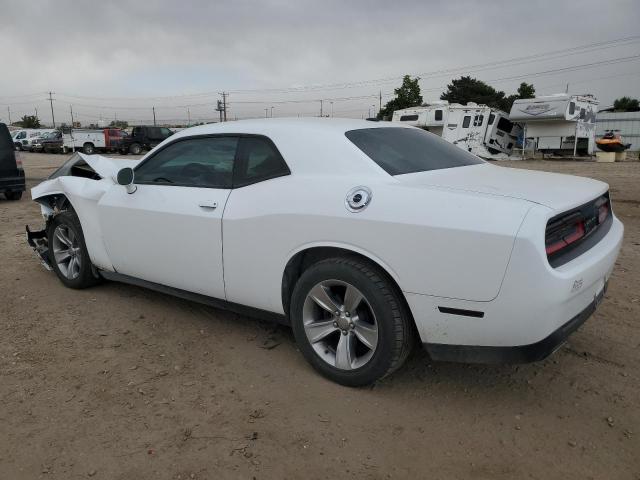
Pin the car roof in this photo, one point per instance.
(308, 145)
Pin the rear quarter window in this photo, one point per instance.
(408, 150)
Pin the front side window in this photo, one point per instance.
(408, 150)
(438, 116)
(466, 121)
(492, 117)
(193, 162)
(407, 118)
(572, 108)
(260, 160)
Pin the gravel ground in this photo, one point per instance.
(117, 382)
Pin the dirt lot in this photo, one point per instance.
(117, 382)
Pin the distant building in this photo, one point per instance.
(626, 124)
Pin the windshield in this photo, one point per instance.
(409, 150)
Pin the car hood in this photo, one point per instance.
(557, 191)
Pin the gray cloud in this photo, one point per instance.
(163, 48)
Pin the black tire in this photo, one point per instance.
(394, 323)
(85, 277)
(12, 195)
(88, 149)
(135, 149)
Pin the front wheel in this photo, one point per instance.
(12, 195)
(88, 149)
(68, 252)
(350, 322)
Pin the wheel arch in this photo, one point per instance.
(302, 258)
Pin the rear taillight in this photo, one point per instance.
(570, 228)
(18, 160)
(565, 237)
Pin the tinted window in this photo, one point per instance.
(492, 117)
(466, 121)
(477, 120)
(260, 160)
(194, 162)
(407, 150)
(406, 118)
(505, 125)
(438, 116)
(572, 108)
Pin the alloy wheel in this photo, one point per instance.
(340, 324)
(66, 251)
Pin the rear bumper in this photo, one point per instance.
(519, 354)
(537, 307)
(15, 184)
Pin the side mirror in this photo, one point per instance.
(125, 178)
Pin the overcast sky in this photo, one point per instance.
(117, 59)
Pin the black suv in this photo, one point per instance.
(144, 138)
(11, 172)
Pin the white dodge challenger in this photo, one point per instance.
(363, 236)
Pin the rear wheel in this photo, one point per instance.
(12, 195)
(135, 149)
(68, 252)
(88, 149)
(350, 321)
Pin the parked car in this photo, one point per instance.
(35, 142)
(23, 138)
(360, 235)
(12, 182)
(144, 138)
(53, 143)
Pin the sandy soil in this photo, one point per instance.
(117, 382)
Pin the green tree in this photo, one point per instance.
(626, 104)
(29, 121)
(407, 95)
(526, 90)
(119, 124)
(468, 89)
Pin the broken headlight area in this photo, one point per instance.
(40, 243)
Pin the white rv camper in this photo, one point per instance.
(431, 117)
(479, 129)
(555, 121)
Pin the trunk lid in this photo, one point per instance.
(557, 191)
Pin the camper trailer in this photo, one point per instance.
(555, 121)
(431, 117)
(479, 129)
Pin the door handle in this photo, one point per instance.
(208, 205)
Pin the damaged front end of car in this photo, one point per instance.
(77, 185)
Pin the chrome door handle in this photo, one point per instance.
(209, 205)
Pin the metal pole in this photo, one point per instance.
(271, 112)
(524, 139)
(224, 105)
(9, 110)
(189, 117)
(53, 118)
(321, 108)
(575, 141)
(331, 109)
(266, 113)
(73, 142)
(154, 115)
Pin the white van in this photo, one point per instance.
(22, 139)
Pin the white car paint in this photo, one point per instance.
(469, 237)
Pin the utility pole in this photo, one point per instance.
(154, 115)
(189, 117)
(380, 109)
(53, 118)
(320, 108)
(266, 113)
(271, 112)
(219, 109)
(9, 110)
(223, 113)
(36, 108)
(331, 109)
